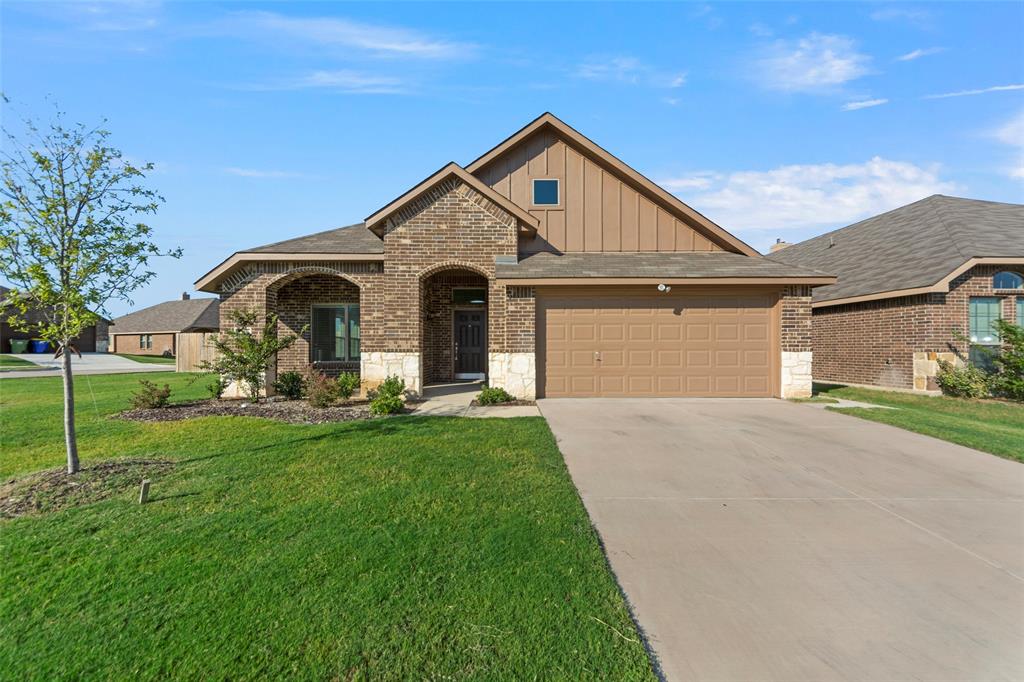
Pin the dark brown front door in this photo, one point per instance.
(470, 343)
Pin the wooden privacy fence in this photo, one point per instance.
(193, 348)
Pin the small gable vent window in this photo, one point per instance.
(1007, 280)
(545, 193)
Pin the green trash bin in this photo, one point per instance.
(19, 345)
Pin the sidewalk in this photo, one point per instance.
(89, 363)
(453, 400)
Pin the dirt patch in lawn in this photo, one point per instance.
(56, 489)
(289, 411)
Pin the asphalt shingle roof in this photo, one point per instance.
(913, 246)
(171, 316)
(668, 265)
(349, 239)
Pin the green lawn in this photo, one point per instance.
(147, 359)
(989, 425)
(403, 548)
(13, 362)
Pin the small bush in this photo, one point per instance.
(321, 390)
(966, 381)
(290, 385)
(217, 387)
(150, 395)
(388, 397)
(1008, 381)
(348, 383)
(494, 396)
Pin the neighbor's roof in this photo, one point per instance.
(349, 239)
(172, 316)
(911, 249)
(664, 266)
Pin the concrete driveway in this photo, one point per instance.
(89, 363)
(766, 540)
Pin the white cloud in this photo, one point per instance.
(261, 174)
(915, 16)
(342, 81)
(699, 181)
(814, 63)
(816, 195)
(863, 104)
(630, 70)
(917, 54)
(1012, 133)
(980, 91)
(375, 39)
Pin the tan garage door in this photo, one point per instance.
(656, 345)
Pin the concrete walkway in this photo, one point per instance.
(453, 400)
(767, 540)
(89, 363)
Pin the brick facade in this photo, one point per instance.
(163, 344)
(447, 238)
(874, 342)
(438, 312)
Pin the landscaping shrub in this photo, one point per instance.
(150, 395)
(217, 387)
(321, 390)
(290, 385)
(348, 383)
(1008, 381)
(966, 381)
(494, 396)
(387, 398)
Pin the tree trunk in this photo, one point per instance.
(70, 441)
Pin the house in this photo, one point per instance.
(548, 267)
(913, 284)
(155, 330)
(93, 339)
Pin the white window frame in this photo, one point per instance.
(533, 192)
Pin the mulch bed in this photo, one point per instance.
(289, 411)
(55, 489)
(511, 403)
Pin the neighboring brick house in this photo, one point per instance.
(546, 266)
(93, 339)
(913, 283)
(155, 330)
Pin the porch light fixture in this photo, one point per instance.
(664, 288)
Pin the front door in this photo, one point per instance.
(470, 343)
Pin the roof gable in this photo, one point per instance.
(377, 221)
(593, 152)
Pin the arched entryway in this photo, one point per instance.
(453, 304)
(324, 309)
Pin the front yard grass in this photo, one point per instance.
(147, 359)
(14, 362)
(400, 548)
(990, 425)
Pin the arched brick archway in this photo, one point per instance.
(453, 322)
(323, 308)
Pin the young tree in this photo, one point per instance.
(244, 353)
(70, 236)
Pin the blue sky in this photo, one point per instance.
(272, 120)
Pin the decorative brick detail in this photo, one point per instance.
(876, 342)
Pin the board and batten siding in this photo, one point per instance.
(598, 210)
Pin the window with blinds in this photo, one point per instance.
(335, 333)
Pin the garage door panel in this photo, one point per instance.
(642, 345)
